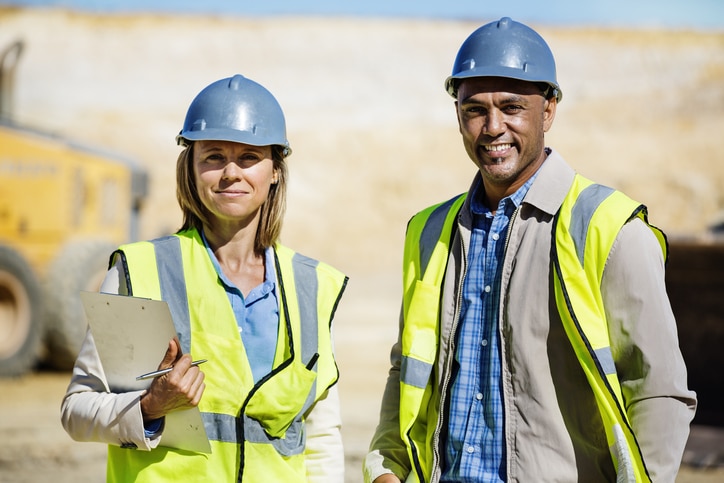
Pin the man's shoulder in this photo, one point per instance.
(431, 222)
(441, 207)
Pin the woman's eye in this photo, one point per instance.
(249, 160)
(214, 157)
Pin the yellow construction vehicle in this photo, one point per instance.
(64, 207)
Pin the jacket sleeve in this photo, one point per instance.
(646, 350)
(387, 452)
(324, 452)
(89, 411)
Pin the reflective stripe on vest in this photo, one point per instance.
(586, 228)
(433, 245)
(427, 245)
(267, 419)
(587, 225)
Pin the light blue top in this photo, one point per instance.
(257, 315)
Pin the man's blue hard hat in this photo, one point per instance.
(505, 48)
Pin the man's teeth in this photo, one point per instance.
(492, 148)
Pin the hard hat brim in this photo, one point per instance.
(231, 135)
(499, 71)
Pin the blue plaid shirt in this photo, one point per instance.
(474, 449)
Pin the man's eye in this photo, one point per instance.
(474, 110)
(512, 109)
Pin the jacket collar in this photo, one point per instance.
(548, 191)
(550, 188)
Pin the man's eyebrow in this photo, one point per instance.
(508, 99)
(517, 98)
(470, 100)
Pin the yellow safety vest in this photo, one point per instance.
(256, 431)
(586, 227)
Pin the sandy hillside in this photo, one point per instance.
(374, 140)
(372, 129)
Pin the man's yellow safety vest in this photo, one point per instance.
(586, 227)
(256, 431)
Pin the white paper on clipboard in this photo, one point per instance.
(131, 335)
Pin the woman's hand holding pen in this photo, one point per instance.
(179, 389)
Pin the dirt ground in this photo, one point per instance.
(35, 448)
(374, 140)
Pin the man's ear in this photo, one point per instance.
(549, 113)
(457, 114)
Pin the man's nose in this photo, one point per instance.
(494, 123)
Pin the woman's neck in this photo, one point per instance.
(237, 257)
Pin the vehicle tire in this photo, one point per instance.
(20, 314)
(79, 266)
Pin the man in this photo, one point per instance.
(536, 341)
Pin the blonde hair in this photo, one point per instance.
(195, 214)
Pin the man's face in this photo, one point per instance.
(502, 122)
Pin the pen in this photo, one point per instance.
(161, 372)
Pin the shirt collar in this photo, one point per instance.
(478, 206)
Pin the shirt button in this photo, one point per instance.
(470, 449)
(495, 236)
(487, 289)
(484, 342)
(479, 396)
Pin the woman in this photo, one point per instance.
(259, 312)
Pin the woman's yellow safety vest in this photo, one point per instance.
(586, 227)
(256, 431)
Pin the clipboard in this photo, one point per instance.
(131, 335)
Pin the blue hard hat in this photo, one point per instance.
(505, 48)
(235, 109)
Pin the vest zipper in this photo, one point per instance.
(501, 346)
(446, 380)
(288, 325)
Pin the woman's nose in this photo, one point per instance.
(231, 171)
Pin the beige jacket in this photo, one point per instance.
(553, 431)
(89, 412)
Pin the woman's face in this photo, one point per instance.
(233, 179)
